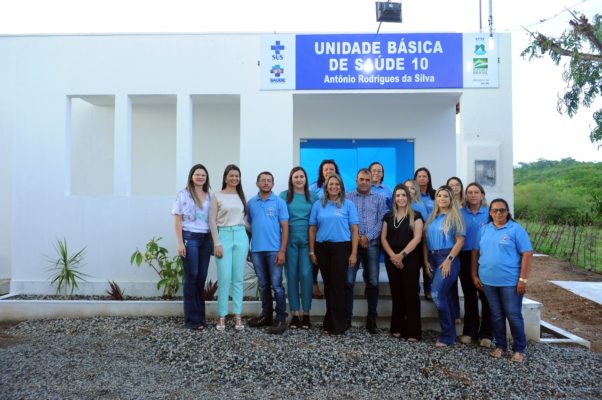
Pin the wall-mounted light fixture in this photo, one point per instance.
(387, 11)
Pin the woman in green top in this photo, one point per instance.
(298, 265)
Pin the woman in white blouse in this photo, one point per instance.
(228, 229)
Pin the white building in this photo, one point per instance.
(98, 132)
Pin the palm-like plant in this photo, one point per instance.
(65, 268)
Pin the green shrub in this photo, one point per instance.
(170, 270)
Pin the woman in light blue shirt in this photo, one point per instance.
(333, 241)
(326, 168)
(476, 215)
(444, 237)
(504, 254)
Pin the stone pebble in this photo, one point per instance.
(156, 358)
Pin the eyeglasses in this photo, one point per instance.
(499, 210)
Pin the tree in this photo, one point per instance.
(582, 45)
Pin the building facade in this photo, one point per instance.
(99, 131)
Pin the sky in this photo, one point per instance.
(539, 130)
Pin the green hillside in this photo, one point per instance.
(559, 191)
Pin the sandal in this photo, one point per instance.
(396, 335)
(497, 352)
(305, 323)
(295, 322)
(440, 344)
(221, 324)
(518, 357)
(238, 325)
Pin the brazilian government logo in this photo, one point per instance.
(277, 48)
(479, 49)
(480, 66)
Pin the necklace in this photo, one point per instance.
(398, 224)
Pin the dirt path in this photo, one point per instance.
(561, 307)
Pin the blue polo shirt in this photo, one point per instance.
(419, 207)
(429, 203)
(332, 222)
(473, 222)
(315, 189)
(500, 253)
(385, 191)
(436, 239)
(265, 217)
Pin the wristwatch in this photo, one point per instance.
(403, 254)
(450, 258)
(523, 280)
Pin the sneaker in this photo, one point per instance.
(295, 322)
(306, 324)
(260, 321)
(485, 343)
(518, 357)
(278, 328)
(465, 339)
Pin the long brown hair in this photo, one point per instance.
(291, 189)
(190, 184)
(239, 190)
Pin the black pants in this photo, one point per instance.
(333, 260)
(474, 326)
(405, 311)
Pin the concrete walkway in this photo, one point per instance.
(590, 290)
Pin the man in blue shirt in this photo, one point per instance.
(268, 216)
(371, 208)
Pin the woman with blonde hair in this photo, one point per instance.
(227, 220)
(400, 237)
(444, 236)
(417, 204)
(333, 241)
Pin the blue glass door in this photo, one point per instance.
(396, 156)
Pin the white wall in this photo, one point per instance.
(8, 89)
(179, 100)
(486, 129)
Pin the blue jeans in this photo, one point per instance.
(196, 264)
(369, 259)
(506, 304)
(298, 270)
(231, 267)
(269, 278)
(440, 290)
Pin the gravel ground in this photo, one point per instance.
(155, 358)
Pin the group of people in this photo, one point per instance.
(449, 233)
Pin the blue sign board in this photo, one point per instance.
(379, 61)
